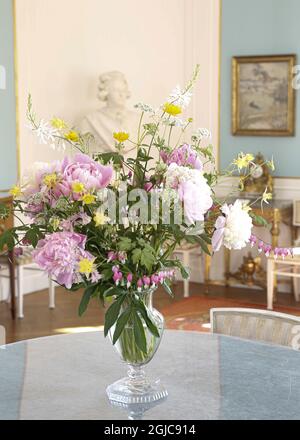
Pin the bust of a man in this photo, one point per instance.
(113, 116)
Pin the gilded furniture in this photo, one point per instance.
(250, 272)
(259, 325)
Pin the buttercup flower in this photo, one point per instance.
(50, 180)
(88, 199)
(100, 219)
(121, 136)
(72, 136)
(78, 187)
(233, 229)
(172, 109)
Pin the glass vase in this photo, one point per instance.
(137, 387)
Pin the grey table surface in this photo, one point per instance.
(207, 377)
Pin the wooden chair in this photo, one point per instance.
(261, 325)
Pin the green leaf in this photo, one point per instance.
(147, 259)
(136, 255)
(151, 326)
(168, 289)
(121, 322)
(139, 333)
(86, 299)
(112, 314)
(125, 244)
(4, 211)
(259, 220)
(113, 290)
(7, 238)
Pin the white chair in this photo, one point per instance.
(286, 268)
(186, 250)
(289, 267)
(260, 325)
(24, 262)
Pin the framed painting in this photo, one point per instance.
(263, 98)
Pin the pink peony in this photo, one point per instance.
(59, 254)
(85, 170)
(196, 198)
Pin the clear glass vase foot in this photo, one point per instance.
(136, 388)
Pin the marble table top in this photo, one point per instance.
(207, 377)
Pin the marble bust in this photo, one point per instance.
(114, 116)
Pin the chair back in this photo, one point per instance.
(261, 325)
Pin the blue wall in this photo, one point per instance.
(259, 27)
(8, 154)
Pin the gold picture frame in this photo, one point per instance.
(263, 97)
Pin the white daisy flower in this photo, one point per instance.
(179, 97)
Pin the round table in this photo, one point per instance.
(207, 377)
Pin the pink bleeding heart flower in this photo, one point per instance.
(140, 284)
(253, 240)
(267, 250)
(261, 246)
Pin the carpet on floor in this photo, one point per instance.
(193, 313)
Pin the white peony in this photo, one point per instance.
(233, 230)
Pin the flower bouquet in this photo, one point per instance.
(109, 225)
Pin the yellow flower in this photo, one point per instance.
(172, 109)
(86, 266)
(50, 180)
(121, 136)
(88, 199)
(266, 196)
(78, 187)
(243, 160)
(190, 120)
(58, 123)
(101, 219)
(15, 191)
(72, 136)
(55, 222)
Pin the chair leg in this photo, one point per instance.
(20, 273)
(295, 284)
(270, 284)
(51, 294)
(12, 269)
(186, 283)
